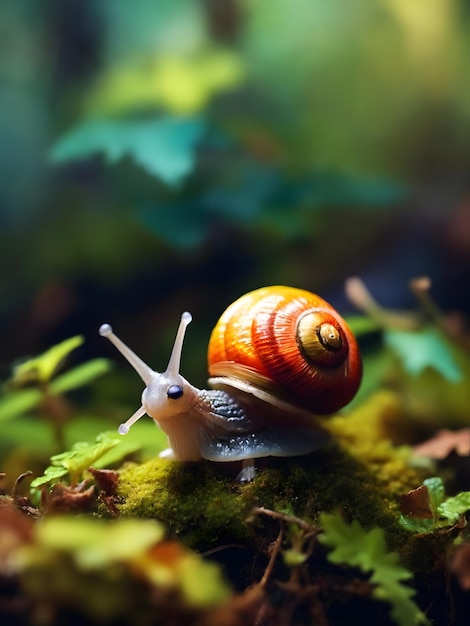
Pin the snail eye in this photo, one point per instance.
(174, 392)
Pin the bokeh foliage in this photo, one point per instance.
(162, 156)
(261, 139)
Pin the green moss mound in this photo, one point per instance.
(202, 504)
(359, 473)
(193, 500)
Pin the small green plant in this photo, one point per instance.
(435, 509)
(75, 462)
(36, 385)
(367, 550)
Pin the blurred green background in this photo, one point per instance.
(157, 156)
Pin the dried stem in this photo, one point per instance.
(275, 549)
(18, 481)
(57, 410)
(290, 519)
(360, 296)
(420, 288)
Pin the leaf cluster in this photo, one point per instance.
(75, 462)
(421, 349)
(443, 511)
(164, 147)
(37, 378)
(367, 550)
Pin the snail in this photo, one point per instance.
(278, 356)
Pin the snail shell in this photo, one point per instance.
(286, 345)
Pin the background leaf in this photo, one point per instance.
(422, 349)
(163, 147)
(95, 544)
(42, 367)
(183, 85)
(19, 402)
(80, 375)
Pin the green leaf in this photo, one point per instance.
(294, 558)
(453, 508)
(84, 454)
(436, 493)
(112, 456)
(144, 436)
(75, 461)
(367, 550)
(19, 402)
(164, 147)
(201, 582)
(80, 375)
(183, 85)
(42, 367)
(51, 474)
(362, 325)
(419, 350)
(416, 525)
(95, 544)
(347, 541)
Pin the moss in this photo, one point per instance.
(192, 499)
(359, 473)
(368, 434)
(204, 507)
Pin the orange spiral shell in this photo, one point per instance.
(291, 343)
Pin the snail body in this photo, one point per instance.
(277, 357)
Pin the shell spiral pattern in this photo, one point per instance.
(290, 343)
